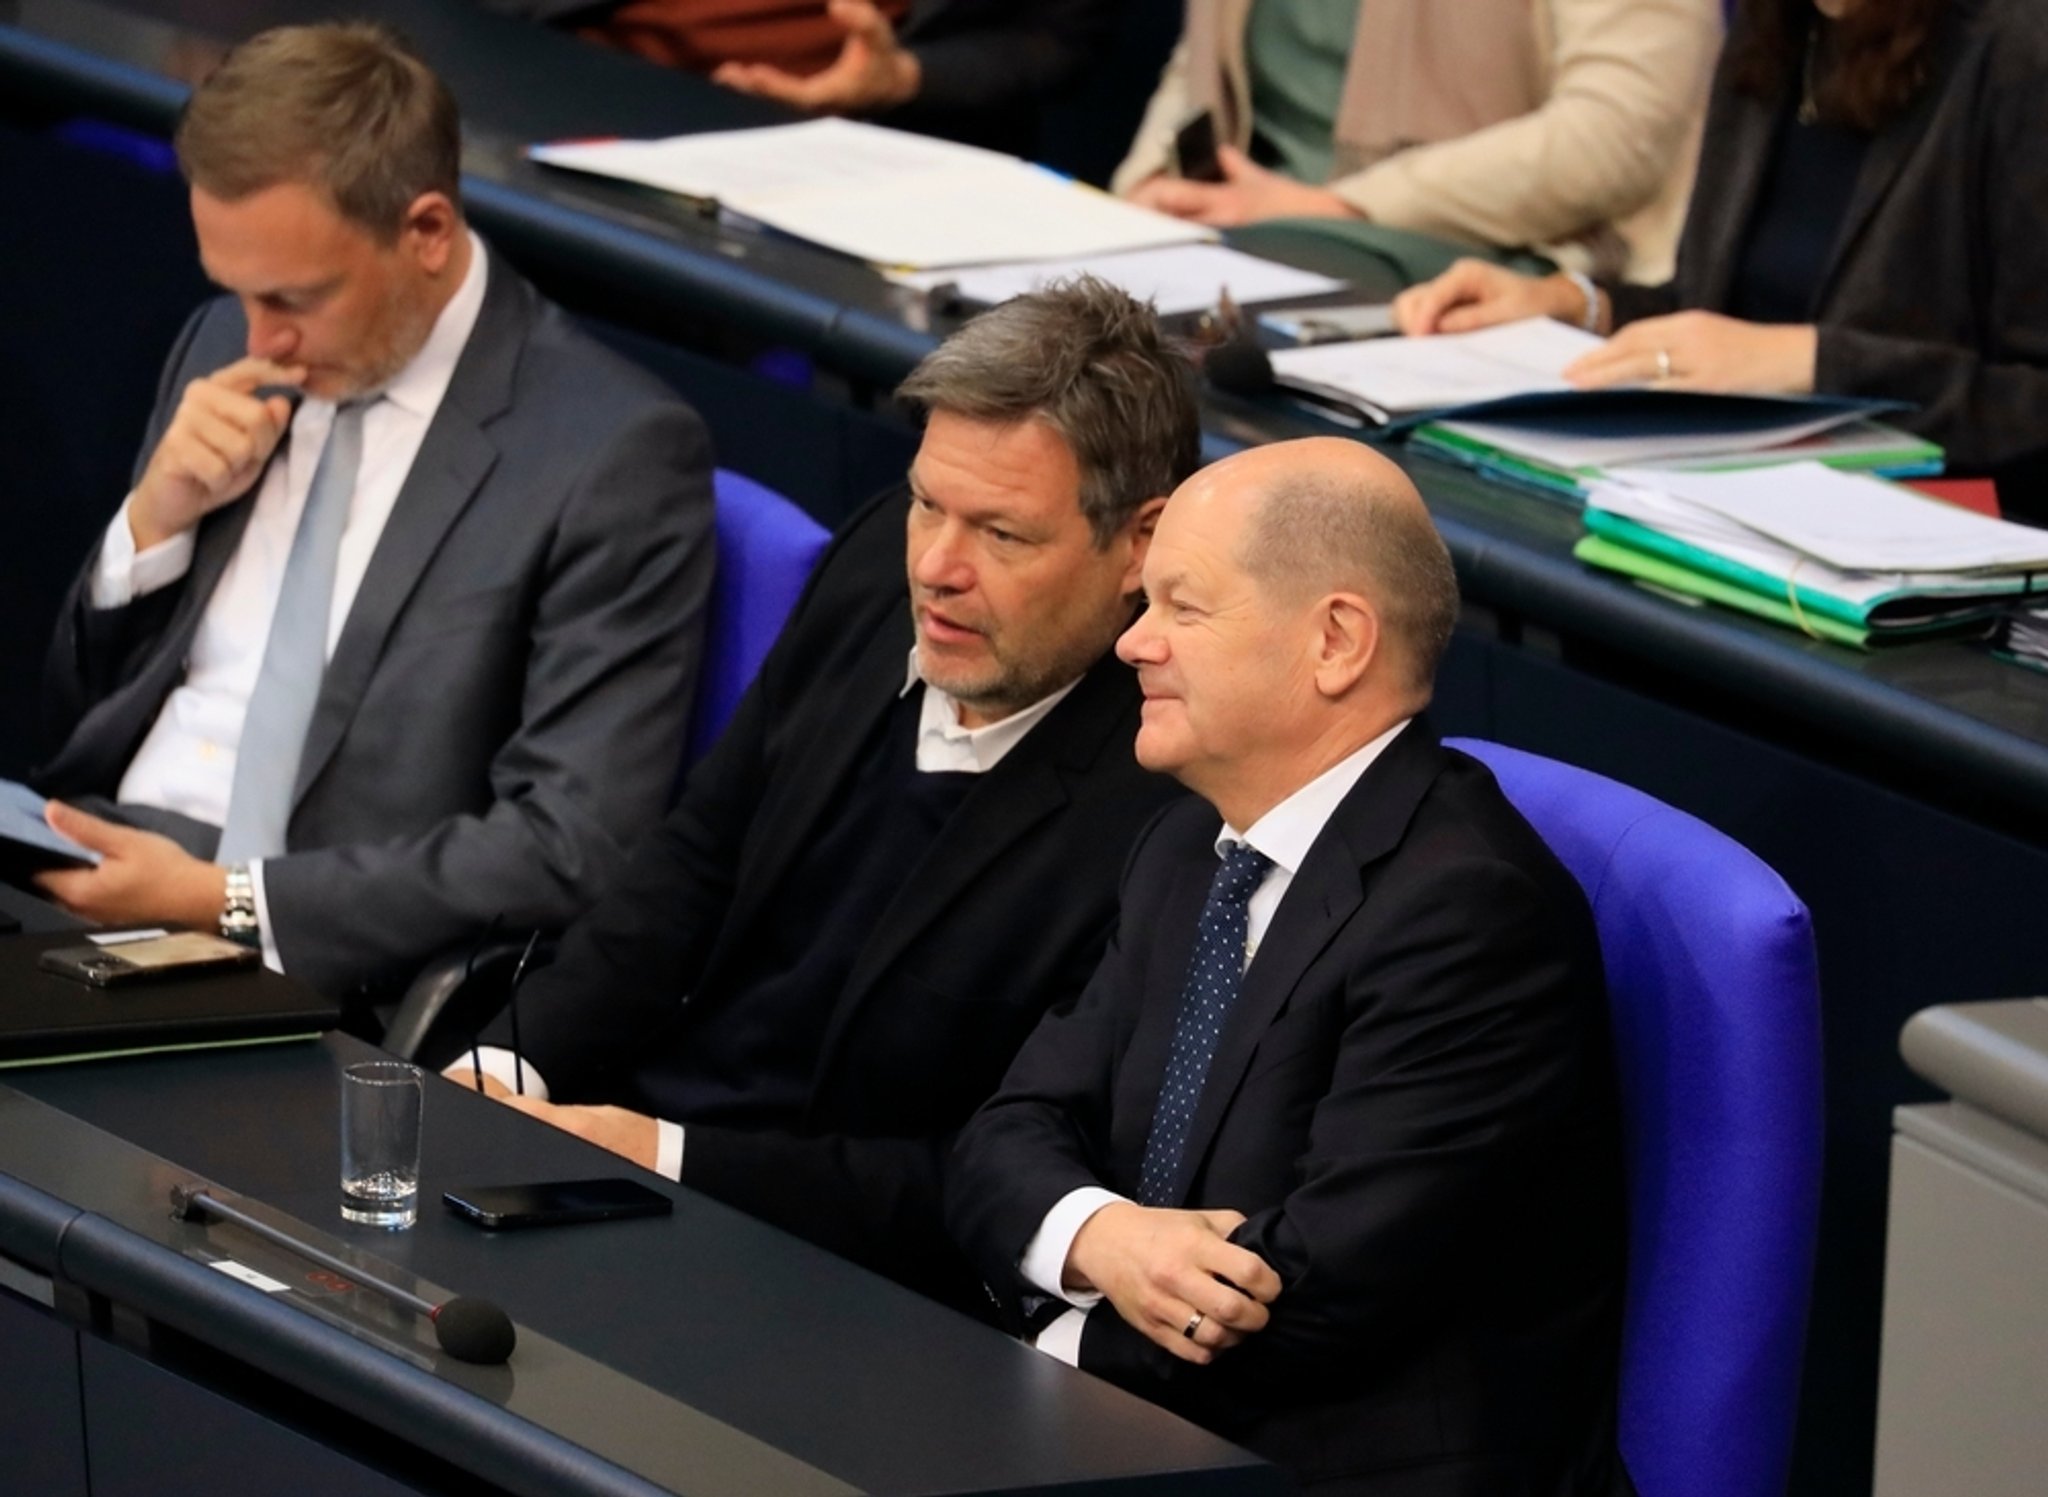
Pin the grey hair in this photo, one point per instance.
(1316, 533)
(1093, 365)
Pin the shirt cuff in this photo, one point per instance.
(270, 957)
(1045, 1257)
(496, 1062)
(1062, 1339)
(124, 574)
(668, 1149)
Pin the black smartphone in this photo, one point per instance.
(1194, 149)
(555, 1203)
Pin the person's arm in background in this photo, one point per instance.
(971, 55)
(1984, 410)
(1629, 77)
(1151, 151)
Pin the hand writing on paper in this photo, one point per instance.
(1474, 294)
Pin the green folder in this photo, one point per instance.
(1661, 572)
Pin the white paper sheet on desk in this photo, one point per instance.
(1402, 375)
(884, 196)
(1698, 526)
(1854, 522)
(727, 165)
(1179, 278)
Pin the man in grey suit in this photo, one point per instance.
(395, 632)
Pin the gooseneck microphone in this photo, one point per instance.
(469, 1330)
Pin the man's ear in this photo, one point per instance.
(1139, 530)
(1347, 643)
(428, 230)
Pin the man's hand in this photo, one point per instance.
(631, 1135)
(216, 444)
(1703, 351)
(142, 878)
(872, 72)
(1474, 294)
(1160, 1268)
(1247, 194)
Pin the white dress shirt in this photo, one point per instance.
(187, 760)
(943, 747)
(1284, 834)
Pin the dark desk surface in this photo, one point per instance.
(1946, 720)
(701, 1350)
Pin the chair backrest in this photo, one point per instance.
(766, 549)
(1714, 991)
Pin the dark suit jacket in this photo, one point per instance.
(1003, 918)
(504, 708)
(1413, 1104)
(1937, 290)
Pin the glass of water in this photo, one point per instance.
(380, 1143)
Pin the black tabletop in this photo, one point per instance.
(716, 1336)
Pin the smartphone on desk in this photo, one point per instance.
(554, 1203)
(151, 958)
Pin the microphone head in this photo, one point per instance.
(1239, 366)
(474, 1330)
(187, 1202)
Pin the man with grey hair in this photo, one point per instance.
(1327, 1155)
(905, 848)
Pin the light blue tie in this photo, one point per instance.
(295, 657)
(1215, 974)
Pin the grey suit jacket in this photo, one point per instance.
(505, 706)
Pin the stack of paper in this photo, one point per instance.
(1561, 452)
(882, 195)
(1841, 556)
(1179, 278)
(1395, 380)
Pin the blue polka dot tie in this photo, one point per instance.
(1215, 973)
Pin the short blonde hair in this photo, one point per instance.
(345, 108)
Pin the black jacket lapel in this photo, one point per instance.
(1327, 891)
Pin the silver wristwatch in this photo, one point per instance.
(238, 915)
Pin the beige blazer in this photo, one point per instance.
(1567, 126)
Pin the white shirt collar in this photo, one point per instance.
(1286, 832)
(419, 386)
(943, 745)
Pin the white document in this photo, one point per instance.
(883, 195)
(1698, 526)
(1854, 522)
(1400, 376)
(1179, 278)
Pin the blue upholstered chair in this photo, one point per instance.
(766, 549)
(1715, 997)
